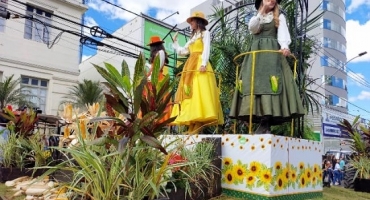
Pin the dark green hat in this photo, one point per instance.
(257, 3)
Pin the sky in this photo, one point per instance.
(357, 33)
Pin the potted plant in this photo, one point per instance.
(360, 162)
(362, 176)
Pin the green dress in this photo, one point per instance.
(281, 104)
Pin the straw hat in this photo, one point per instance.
(199, 15)
(154, 40)
(257, 3)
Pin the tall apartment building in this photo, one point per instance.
(45, 72)
(329, 68)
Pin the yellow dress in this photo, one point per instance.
(197, 98)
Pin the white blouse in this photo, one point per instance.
(183, 51)
(283, 35)
(162, 58)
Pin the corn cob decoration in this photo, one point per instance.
(274, 83)
(239, 85)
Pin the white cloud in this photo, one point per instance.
(90, 22)
(85, 57)
(356, 4)
(358, 40)
(364, 95)
(164, 8)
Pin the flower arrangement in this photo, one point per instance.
(279, 177)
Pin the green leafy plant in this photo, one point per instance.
(12, 155)
(116, 158)
(34, 149)
(360, 136)
(22, 124)
(126, 98)
(197, 174)
(84, 93)
(12, 92)
(362, 164)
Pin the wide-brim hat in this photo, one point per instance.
(199, 15)
(155, 40)
(257, 3)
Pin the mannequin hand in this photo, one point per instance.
(263, 9)
(202, 68)
(175, 36)
(285, 52)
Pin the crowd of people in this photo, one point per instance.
(333, 170)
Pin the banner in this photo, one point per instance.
(151, 29)
(330, 120)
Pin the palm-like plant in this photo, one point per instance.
(11, 92)
(84, 93)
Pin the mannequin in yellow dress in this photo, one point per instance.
(197, 102)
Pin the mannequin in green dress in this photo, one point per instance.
(276, 97)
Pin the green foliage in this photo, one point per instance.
(12, 155)
(12, 92)
(360, 136)
(22, 125)
(33, 147)
(126, 97)
(84, 93)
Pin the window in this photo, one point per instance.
(37, 89)
(35, 30)
(326, 5)
(334, 81)
(3, 7)
(332, 62)
(330, 43)
(330, 25)
(334, 100)
(228, 9)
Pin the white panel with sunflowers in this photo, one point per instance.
(268, 165)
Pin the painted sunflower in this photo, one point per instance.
(280, 182)
(308, 173)
(254, 168)
(286, 174)
(293, 176)
(278, 166)
(229, 176)
(239, 171)
(250, 180)
(227, 161)
(314, 179)
(302, 181)
(266, 177)
(316, 169)
(301, 166)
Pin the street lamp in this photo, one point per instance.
(358, 55)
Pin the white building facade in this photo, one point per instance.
(46, 72)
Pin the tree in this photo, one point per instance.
(11, 92)
(84, 93)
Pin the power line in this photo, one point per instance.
(343, 98)
(121, 8)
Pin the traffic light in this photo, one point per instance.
(4, 14)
